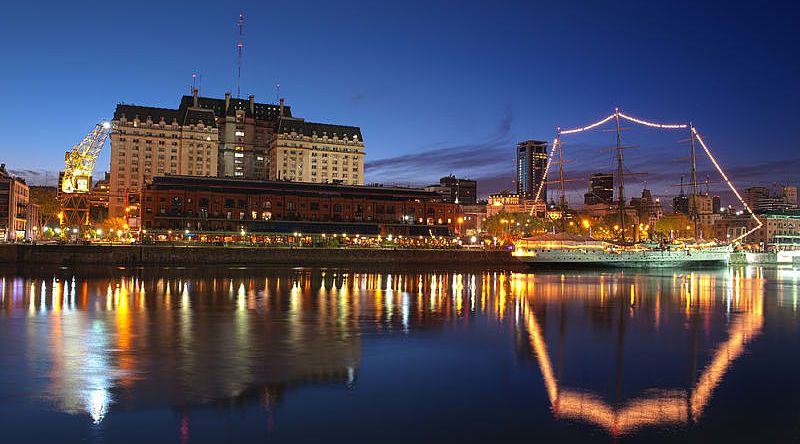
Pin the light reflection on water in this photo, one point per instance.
(142, 339)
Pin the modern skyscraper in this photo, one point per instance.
(531, 163)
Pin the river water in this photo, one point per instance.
(351, 355)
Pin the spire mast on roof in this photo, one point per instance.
(239, 45)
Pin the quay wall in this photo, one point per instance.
(166, 255)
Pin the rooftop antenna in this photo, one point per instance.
(195, 82)
(277, 92)
(239, 45)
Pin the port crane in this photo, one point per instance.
(77, 180)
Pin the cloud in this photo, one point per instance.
(43, 177)
(473, 160)
(36, 176)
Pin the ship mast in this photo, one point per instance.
(621, 193)
(562, 196)
(693, 202)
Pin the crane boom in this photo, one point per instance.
(80, 162)
(76, 183)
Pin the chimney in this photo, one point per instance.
(194, 97)
(252, 104)
(227, 101)
(281, 107)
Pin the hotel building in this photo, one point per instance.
(317, 153)
(236, 138)
(148, 142)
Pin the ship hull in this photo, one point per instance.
(713, 257)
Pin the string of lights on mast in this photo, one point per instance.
(667, 126)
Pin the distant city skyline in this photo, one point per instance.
(434, 93)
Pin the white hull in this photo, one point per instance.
(634, 259)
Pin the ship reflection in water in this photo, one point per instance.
(169, 354)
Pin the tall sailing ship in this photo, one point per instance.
(564, 249)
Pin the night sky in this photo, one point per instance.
(437, 87)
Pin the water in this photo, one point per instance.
(306, 355)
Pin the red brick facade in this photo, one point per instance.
(212, 204)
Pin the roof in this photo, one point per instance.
(143, 112)
(249, 186)
(193, 116)
(299, 126)
(263, 111)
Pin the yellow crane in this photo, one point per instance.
(76, 183)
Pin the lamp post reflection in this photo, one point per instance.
(173, 337)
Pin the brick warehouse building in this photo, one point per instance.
(221, 204)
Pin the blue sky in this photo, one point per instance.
(437, 87)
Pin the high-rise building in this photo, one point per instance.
(789, 194)
(761, 199)
(601, 189)
(316, 152)
(680, 203)
(531, 163)
(147, 142)
(455, 190)
(14, 196)
(716, 204)
(753, 195)
(227, 137)
(246, 130)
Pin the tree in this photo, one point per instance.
(114, 224)
(508, 227)
(673, 224)
(47, 199)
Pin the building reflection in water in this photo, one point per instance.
(156, 337)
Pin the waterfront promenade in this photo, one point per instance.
(181, 255)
